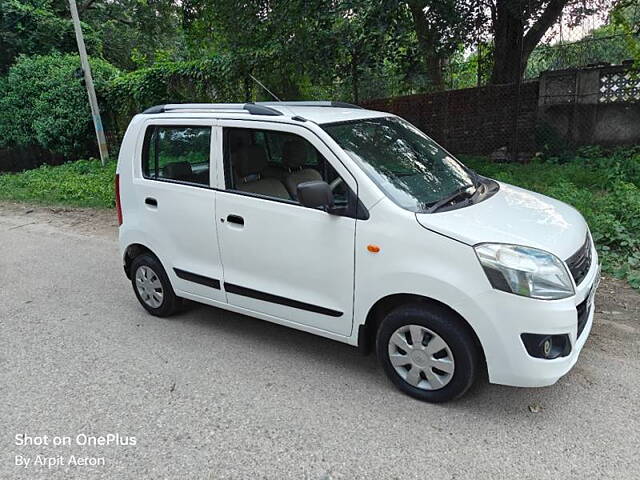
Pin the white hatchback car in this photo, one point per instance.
(354, 225)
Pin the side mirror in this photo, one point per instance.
(315, 194)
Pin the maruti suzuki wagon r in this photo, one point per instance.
(354, 225)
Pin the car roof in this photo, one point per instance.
(322, 115)
(317, 112)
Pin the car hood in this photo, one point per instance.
(513, 215)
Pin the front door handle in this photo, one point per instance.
(238, 220)
(151, 201)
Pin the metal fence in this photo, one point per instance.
(556, 113)
(572, 94)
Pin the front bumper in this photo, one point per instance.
(508, 361)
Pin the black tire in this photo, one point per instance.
(170, 302)
(450, 328)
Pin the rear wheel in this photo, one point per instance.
(427, 353)
(152, 287)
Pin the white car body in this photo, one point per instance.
(321, 260)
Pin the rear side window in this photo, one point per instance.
(178, 153)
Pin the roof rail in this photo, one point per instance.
(251, 108)
(315, 103)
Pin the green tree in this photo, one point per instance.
(289, 45)
(610, 43)
(136, 33)
(518, 26)
(33, 27)
(266, 40)
(625, 16)
(441, 26)
(127, 33)
(369, 41)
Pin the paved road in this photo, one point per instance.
(215, 395)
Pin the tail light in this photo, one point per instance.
(118, 204)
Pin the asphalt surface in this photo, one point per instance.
(215, 395)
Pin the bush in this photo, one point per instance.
(217, 79)
(44, 105)
(82, 183)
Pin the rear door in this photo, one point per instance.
(282, 259)
(173, 185)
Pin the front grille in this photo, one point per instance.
(583, 315)
(580, 262)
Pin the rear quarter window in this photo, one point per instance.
(178, 153)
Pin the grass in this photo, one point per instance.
(603, 186)
(85, 183)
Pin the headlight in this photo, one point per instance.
(525, 271)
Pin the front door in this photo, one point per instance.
(280, 258)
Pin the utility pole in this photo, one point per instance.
(88, 79)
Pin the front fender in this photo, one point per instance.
(423, 263)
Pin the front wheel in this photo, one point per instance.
(152, 286)
(427, 353)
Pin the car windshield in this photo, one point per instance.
(409, 167)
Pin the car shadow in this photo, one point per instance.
(490, 401)
(288, 341)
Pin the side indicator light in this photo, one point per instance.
(373, 248)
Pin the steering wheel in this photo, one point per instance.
(333, 185)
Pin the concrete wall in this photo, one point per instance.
(599, 105)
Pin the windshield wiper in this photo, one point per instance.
(457, 193)
(475, 178)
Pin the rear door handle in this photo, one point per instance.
(238, 220)
(151, 201)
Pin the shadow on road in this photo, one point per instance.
(483, 398)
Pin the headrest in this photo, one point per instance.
(239, 138)
(249, 160)
(178, 171)
(294, 153)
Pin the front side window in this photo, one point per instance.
(178, 153)
(407, 166)
(272, 163)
